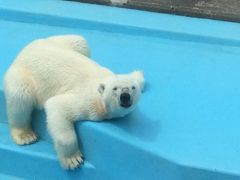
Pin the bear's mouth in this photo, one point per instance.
(126, 105)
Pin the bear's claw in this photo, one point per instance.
(72, 162)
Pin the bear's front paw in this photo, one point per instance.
(22, 137)
(72, 162)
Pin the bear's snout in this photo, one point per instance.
(125, 100)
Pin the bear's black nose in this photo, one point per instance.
(125, 99)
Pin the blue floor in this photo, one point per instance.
(187, 123)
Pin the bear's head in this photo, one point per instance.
(121, 93)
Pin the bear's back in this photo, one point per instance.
(57, 69)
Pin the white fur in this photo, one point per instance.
(56, 74)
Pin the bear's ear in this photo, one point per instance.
(138, 77)
(101, 88)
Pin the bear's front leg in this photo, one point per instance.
(60, 116)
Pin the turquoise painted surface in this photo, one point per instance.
(186, 124)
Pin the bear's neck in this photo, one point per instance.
(101, 110)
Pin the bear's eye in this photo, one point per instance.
(133, 87)
(115, 88)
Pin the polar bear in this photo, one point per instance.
(56, 74)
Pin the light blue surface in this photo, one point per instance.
(187, 123)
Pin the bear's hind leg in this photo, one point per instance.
(74, 42)
(20, 103)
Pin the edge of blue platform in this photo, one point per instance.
(118, 20)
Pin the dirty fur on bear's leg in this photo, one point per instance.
(60, 126)
(20, 103)
(23, 137)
